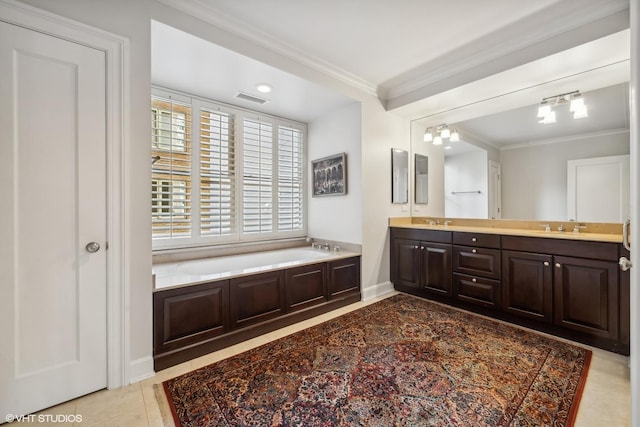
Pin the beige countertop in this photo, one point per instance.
(600, 232)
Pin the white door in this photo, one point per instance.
(495, 191)
(598, 189)
(53, 191)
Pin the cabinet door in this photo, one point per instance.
(344, 277)
(436, 268)
(188, 315)
(406, 263)
(527, 285)
(256, 298)
(587, 296)
(306, 286)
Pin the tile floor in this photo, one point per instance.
(605, 401)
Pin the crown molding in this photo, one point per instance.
(568, 138)
(553, 29)
(205, 12)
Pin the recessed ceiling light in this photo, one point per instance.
(263, 87)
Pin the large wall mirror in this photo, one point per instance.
(399, 176)
(506, 163)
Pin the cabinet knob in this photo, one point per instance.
(422, 248)
(546, 263)
(473, 251)
(415, 247)
(473, 239)
(558, 265)
(474, 280)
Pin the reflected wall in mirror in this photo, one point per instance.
(399, 176)
(421, 179)
(531, 157)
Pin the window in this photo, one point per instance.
(169, 128)
(225, 175)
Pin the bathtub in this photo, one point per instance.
(174, 274)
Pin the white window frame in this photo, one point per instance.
(240, 114)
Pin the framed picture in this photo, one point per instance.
(329, 175)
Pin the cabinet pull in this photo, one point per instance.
(473, 239)
(474, 280)
(558, 265)
(415, 247)
(473, 251)
(422, 248)
(546, 263)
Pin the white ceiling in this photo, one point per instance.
(407, 52)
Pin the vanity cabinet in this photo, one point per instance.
(573, 284)
(570, 288)
(421, 261)
(476, 268)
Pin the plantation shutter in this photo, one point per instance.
(171, 169)
(217, 173)
(290, 179)
(257, 180)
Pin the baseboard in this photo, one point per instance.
(375, 291)
(141, 369)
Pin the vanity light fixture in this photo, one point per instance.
(546, 114)
(437, 134)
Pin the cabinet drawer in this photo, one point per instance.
(421, 234)
(477, 261)
(477, 239)
(477, 290)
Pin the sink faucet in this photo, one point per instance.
(448, 222)
(577, 227)
(547, 227)
(561, 227)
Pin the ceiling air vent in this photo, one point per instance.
(251, 98)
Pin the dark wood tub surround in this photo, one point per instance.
(192, 321)
(570, 288)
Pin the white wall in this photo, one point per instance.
(337, 218)
(466, 172)
(534, 179)
(381, 131)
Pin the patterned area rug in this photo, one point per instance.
(401, 361)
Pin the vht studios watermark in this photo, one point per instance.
(43, 418)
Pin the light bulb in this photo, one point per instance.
(445, 133)
(455, 136)
(581, 112)
(549, 118)
(428, 136)
(544, 109)
(577, 104)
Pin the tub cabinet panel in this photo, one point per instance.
(194, 320)
(344, 277)
(306, 286)
(186, 316)
(256, 298)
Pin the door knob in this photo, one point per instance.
(92, 247)
(624, 263)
